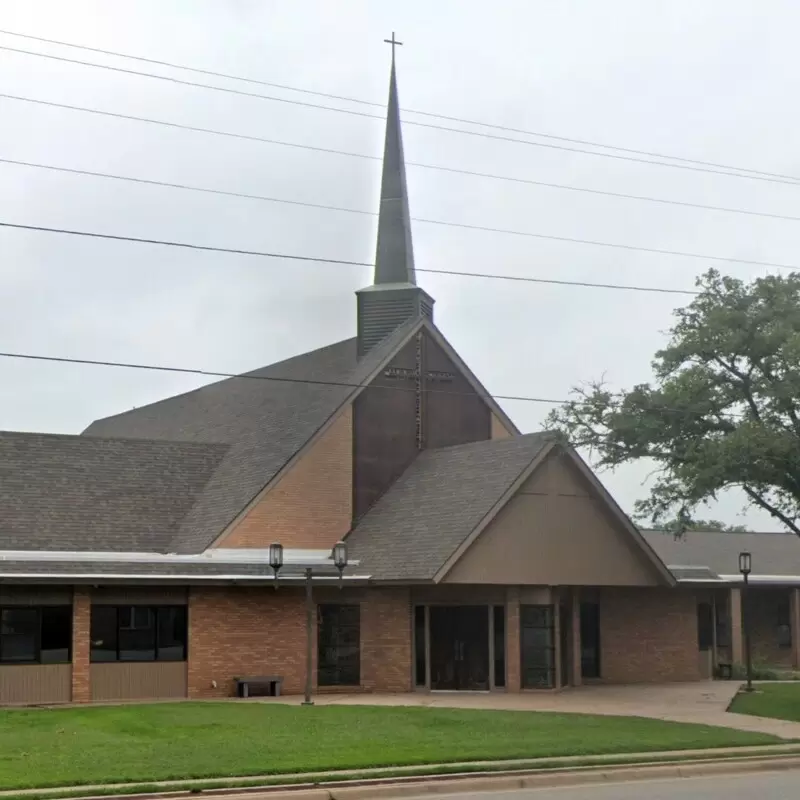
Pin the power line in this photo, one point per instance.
(262, 254)
(319, 382)
(207, 190)
(750, 175)
(549, 237)
(360, 101)
(282, 143)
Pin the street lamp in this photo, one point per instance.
(745, 567)
(276, 560)
(339, 556)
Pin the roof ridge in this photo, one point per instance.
(83, 437)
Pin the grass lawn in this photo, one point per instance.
(59, 747)
(779, 700)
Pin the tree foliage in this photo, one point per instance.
(679, 525)
(723, 409)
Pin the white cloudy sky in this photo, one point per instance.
(713, 80)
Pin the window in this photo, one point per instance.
(339, 645)
(35, 635)
(537, 629)
(590, 640)
(138, 633)
(705, 627)
(784, 624)
(419, 645)
(499, 645)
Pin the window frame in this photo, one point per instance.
(39, 610)
(155, 614)
(548, 612)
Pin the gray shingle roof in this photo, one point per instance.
(86, 493)
(266, 416)
(773, 553)
(436, 504)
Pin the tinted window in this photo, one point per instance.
(56, 634)
(19, 632)
(339, 645)
(139, 633)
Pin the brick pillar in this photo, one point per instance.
(737, 640)
(794, 618)
(577, 678)
(513, 680)
(81, 616)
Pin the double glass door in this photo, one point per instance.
(459, 647)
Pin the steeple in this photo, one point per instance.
(394, 296)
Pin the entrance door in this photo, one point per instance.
(459, 646)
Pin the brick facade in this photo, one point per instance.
(648, 635)
(241, 631)
(309, 506)
(81, 640)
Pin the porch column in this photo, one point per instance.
(794, 621)
(577, 678)
(81, 622)
(513, 678)
(735, 611)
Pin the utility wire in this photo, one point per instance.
(252, 138)
(703, 256)
(262, 254)
(787, 179)
(319, 382)
(187, 187)
(349, 99)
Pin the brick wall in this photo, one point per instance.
(648, 635)
(311, 505)
(764, 606)
(81, 621)
(240, 631)
(386, 634)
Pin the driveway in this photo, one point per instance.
(703, 702)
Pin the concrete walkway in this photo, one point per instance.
(702, 702)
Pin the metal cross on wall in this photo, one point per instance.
(393, 42)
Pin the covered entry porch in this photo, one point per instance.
(505, 639)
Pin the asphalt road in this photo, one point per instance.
(756, 786)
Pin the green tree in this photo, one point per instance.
(723, 410)
(680, 525)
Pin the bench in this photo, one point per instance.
(271, 682)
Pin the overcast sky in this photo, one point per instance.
(714, 81)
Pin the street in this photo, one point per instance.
(761, 785)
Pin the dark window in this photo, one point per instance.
(784, 624)
(35, 635)
(339, 645)
(590, 640)
(705, 626)
(138, 633)
(537, 630)
(419, 645)
(499, 645)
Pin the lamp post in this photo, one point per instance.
(339, 556)
(745, 566)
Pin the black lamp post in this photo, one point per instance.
(276, 560)
(745, 566)
(339, 556)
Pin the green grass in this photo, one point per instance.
(61, 747)
(778, 700)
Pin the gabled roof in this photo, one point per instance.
(80, 492)
(699, 555)
(412, 531)
(265, 416)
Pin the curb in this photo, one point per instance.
(422, 785)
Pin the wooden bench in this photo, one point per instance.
(272, 682)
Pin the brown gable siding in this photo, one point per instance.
(310, 505)
(499, 431)
(555, 531)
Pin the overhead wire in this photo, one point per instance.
(360, 101)
(751, 175)
(208, 190)
(549, 237)
(294, 257)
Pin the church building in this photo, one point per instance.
(137, 559)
